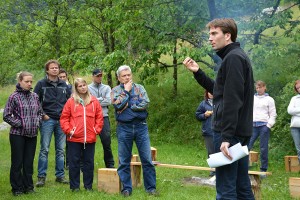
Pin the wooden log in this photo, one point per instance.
(176, 166)
(158, 164)
(154, 153)
(108, 180)
(255, 186)
(294, 185)
(135, 171)
(253, 157)
(291, 164)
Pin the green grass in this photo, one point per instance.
(175, 133)
(170, 182)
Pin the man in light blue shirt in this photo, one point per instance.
(102, 93)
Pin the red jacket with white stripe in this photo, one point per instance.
(86, 121)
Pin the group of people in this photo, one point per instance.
(264, 116)
(232, 113)
(75, 119)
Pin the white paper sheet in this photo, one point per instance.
(218, 159)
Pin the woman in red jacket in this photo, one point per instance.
(81, 120)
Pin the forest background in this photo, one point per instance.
(153, 37)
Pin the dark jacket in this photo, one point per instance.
(206, 122)
(233, 91)
(53, 96)
(23, 112)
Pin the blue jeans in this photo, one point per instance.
(232, 181)
(263, 132)
(47, 128)
(296, 137)
(209, 144)
(126, 134)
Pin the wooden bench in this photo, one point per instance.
(294, 186)
(253, 157)
(109, 181)
(253, 175)
(291, 164)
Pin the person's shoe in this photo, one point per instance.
(153, 193)
(89, 189)
(40, 182)
(75, 190)
(125, 193)
(62, 180)
(29, 191)
(17, 193)
(262, 176)
(212, 173)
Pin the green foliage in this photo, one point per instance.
(281, 132)
(172, 119)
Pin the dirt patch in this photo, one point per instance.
(200, 181)
(4, 126)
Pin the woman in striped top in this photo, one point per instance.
(24, 113)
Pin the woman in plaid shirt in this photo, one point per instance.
(24, 113)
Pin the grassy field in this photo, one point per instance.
(170, 182)
(176, 135)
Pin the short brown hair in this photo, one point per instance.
(50, 62)
(227, 25)
(21, 75)
(260, 83)
(206, 95)
(296, 82)
(61, 70)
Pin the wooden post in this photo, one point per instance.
(154, 154)
(294, 185)
(253, 157)
(108, 180)
(291, 164)
(255, 185)
(136, 172)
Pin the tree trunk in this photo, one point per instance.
(212, 9)
(175, 74)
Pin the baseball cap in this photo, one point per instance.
(97, 72)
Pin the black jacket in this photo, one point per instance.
(53, 96)
(233, 91)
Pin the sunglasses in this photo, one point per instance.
(99, 75)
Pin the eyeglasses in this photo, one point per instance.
(99, 75)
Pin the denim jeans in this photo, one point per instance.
(106, 144)
(296, 137)
(232, 181)
(77, 153)
(126, 134)
(263, 132)
(22, 156)
(47, 128)
(209, 144)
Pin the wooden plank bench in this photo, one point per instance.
(253, 158)
(291, 164)
(254, 175)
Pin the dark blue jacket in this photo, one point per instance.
(53, 96)
(206, 122)
(130, 107)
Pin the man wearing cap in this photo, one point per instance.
(102, 93)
